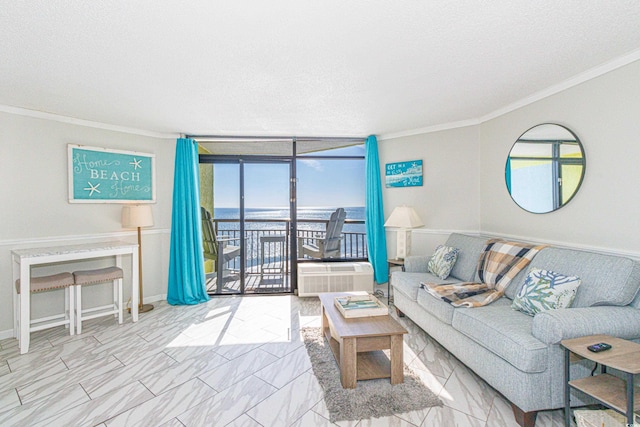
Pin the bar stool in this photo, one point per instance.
(92, 277)
(44, 284)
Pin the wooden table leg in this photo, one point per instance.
(348, 363)
(397, 362)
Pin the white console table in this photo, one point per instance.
(24, 259)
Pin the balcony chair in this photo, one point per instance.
(328, 244)
(212, 246)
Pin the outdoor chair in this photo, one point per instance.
(327, 245)
(212, 246)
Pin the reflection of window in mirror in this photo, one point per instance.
(545, 168)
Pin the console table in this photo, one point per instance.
(24, 259)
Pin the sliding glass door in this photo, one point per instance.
(251, 205)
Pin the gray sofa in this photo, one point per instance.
(519, 355)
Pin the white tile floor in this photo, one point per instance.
(234, 361)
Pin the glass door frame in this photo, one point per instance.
(241, 160)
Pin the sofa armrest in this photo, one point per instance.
(553, 326)
(416, 264)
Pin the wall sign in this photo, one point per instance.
(404, 174)
(101, 175)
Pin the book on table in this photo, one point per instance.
(360, 306)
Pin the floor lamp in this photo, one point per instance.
(405, 218)
(138, 216)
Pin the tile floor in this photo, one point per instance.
(231, 362)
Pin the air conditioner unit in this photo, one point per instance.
(315, 278)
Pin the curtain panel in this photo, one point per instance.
(186, 263)
(374, 212)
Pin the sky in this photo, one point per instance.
(321, 183)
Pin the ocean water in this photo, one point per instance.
(256, 214)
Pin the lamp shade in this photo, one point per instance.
(134, 216)
(404, 217)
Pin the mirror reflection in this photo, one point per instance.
(545, 168)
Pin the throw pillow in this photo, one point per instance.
(545, 290)
(442, 261)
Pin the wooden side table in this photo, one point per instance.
(609, 390)
(392, 262)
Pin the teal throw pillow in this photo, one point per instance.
(545, 290)
(442, 261)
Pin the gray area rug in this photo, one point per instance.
(371, 398)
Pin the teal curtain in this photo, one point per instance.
(186, 262)
(374, 212)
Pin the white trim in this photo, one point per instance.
(443, 231)
(103, 236)
(87, 123)
(545, 93)
(552, 90)
(597, 249)
(557, 244)
(147, 300)
(429, 129)
(567, 84)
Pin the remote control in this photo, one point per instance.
(599, 347)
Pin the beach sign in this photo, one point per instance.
(101, 175)
(404, 174)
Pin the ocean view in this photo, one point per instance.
(270, 221)
(256, 214)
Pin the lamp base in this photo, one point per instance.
(143, 308)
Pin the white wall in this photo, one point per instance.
(605, 114)
(35, 211)
(449, 197)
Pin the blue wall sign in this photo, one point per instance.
(101, 175)
(404, 174)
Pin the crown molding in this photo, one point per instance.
(429, 129)
(567, 84)
(86, 123)
(545, 93)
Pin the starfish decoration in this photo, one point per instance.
(136, 164)
(92, 188)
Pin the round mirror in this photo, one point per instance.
(545, 168)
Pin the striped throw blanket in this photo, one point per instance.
(499, 262)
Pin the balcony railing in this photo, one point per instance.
(353, 244)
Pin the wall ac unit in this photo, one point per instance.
(315, 278)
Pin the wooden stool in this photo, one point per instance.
(92, 277)
(43, 284)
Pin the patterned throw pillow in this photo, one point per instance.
(442, 261)
(545, 290)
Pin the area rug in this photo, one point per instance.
(371, 398)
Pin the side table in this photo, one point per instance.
(392, 262)
(611, 391)
(274, 239)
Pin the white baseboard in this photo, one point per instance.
(147, 300)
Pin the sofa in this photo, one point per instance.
(517, 354)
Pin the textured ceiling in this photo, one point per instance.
(299, 67)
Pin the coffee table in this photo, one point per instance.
(357, 343)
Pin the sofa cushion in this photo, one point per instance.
(606, 279)
(435, 306)
(442, 261)
(545, 290)
(505, 332)
(516, 283)
(409, 283)
(470, 247)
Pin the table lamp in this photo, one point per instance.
(138, 216)
(405, 218)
